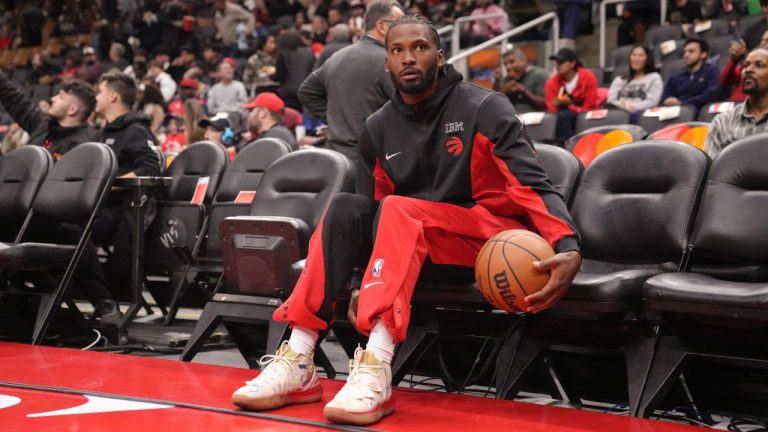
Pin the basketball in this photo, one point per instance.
(504, 268)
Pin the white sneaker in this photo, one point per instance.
(367, 396)
(286, 378)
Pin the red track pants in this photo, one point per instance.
(407, 230)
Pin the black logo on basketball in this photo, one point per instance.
(503, 288)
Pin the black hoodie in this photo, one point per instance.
(43, 129)
(132, 141)
(464, 145)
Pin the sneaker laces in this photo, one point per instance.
(363, 380)
(275, 369)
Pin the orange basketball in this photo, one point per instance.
(504, 268)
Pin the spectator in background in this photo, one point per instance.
(570, 91)
(66, 123)
(749, 117)
(524, 83)
(137, 69)
(210, 64)
(641, 88)
(160, 77)
(31, 22)
(150, 102)
(185, 61)
(266, 118)
(128, 135)
(294, 63)
(754, 32)
(460, 8)
(228, 16)
(261, 66)
(338, 37)
(482, 30)
(193, 113)
(353, 84)
(8, 35)
(731, 74)
(319, 29)
(684, 13)
(217, 129)
(91, 69)
(41, 71)
(569, 12)
(698, 83)
(335, 16)
(228, 94)
(116, 58)
(175, 138)
(644, 13)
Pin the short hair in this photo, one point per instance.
(517, 52)
(378, 10)
(84, 93)
(418, 20)
(121, 84)
(341, 32)
(703, 45)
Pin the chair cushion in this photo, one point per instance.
(620, 286)
(35, 255)
(706, 290)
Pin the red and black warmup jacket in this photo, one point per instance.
(464, 145)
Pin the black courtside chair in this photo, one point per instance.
(634, 209)
(71, 193)
(263, 252)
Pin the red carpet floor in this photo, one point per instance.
(109, 392)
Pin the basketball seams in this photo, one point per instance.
(506, 261)
(488, 275)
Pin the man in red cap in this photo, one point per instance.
(266, 118)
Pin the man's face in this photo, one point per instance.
(226, 70)
(60, 105)
(565, 66)
(764, 41)
(270, 46)
(692, 54)
(254, 119)
(755, 73)
(209, 54)
(334, 17)
(412, 58)
(212, 134)
(103, 97)
(515, 66)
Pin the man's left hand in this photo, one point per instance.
(563, 268)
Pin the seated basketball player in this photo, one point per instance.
(452, 167)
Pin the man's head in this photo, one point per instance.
(116, 90)
(155, 68)
(695, 52)
(188, 88)
(187, 54)
(319, 24)
(226, 71)
(567, 62)
(216, 127)
(267, 110)
(764, 41)
(378, 17)
(75, 101)
(414, 57)
(116, 51)
(335, 16)
(161, 55)
(754, 75)
(89, 55)
(515, 63)
(211, 53)
(340, 33)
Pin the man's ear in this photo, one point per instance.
(440, 57)
(73, 110)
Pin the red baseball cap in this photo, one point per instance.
(267, 100)
(189, 83)
(230, 60)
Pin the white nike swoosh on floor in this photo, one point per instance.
(97, 404)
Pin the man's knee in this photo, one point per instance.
(346, 207)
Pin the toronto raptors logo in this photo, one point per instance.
(454, 146)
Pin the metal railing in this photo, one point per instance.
(458, 24)
(444, 29)
(517, 30)
(602, 18)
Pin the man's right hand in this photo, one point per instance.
(354, 298)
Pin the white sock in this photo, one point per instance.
(303, 340)
(382, 343)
